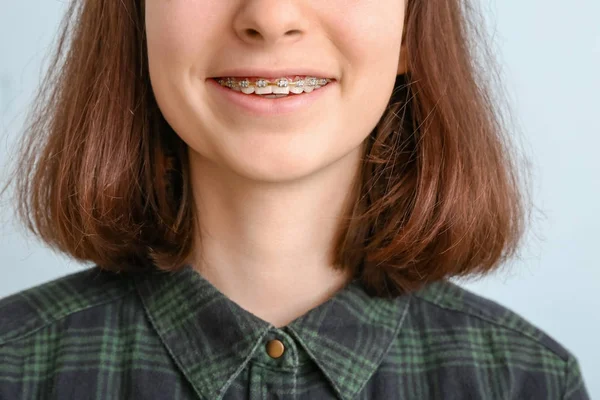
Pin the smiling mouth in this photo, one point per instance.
(273, 88)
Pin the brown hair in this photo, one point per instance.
(104, 178)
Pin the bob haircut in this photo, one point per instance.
(102, 176)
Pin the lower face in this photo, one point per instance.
(202, 53)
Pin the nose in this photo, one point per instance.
(269, 22)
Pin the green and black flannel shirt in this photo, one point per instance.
(99, 335)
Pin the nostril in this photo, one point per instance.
(293, 32)
(253, 33)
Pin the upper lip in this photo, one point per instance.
(272, 73)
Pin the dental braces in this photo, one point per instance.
(281, 82)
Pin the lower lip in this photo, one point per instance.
(260, 106)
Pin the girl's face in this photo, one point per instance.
(355, 43)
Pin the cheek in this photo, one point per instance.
(177, 30)
(369, 32)
(163, 30)
(174, 37)
(370, 47)
(176, 33)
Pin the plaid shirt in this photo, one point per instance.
(99, 335)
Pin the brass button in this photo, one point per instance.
(275, 348)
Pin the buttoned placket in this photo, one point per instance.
(274, 367)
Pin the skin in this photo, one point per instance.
(270, 190)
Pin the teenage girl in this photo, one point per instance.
(272, 195)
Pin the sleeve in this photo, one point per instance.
(574, 385)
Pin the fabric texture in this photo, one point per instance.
(99, 335)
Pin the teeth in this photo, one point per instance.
(281, 90)
(263, 90)
(281, 86)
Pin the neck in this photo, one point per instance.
(268, 246)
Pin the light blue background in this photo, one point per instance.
(550, 53)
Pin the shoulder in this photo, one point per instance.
(463, 337)
(26, 312)
(451, 306)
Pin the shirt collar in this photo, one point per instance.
(211, 338)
